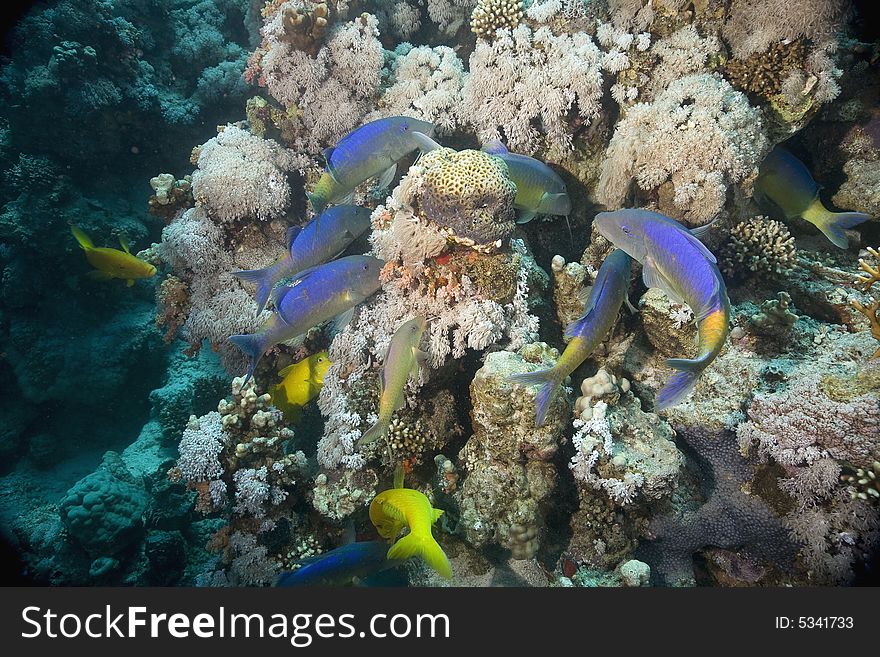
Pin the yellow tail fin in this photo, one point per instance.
(425, 546)
(84, 240)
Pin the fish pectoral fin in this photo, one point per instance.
(387, 176)
(653, 277)
(287, 370)
(347, 199)
(401, 402)
(124, 244)
(424, 142)
(341, 321)
(422, 358)
(629, 305)
(525, 216)
(435, 515)
(291, 234)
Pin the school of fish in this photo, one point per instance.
(310, 285)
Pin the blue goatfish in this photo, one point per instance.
(318, 294)
(340, 566)
(677, 262)
(366, 152)
(607, 295)
(539, 189)
(403, 359)
(322, 239)
(784, 180)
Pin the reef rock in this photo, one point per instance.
(509, 473)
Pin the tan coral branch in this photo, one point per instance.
(873, 272)
(870, 311)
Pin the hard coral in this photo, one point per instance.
(305, 27)
(468, 192)
(492, 15)
(758, 246)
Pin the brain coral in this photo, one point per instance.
(104, 510)
(468, 192)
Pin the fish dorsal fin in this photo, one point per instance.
(291, 234)
(124, 244)
(399, 474)
(653, 277)
(701, 231)
(287, 370)
(495, 147)
(387, 176)
(435, 514)
(588, 295)
(695, 241)
(328, 153)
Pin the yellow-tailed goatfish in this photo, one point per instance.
(404, 358)
(300, 384)
(539, 189)
(394, 509)
(318, 294)
(606, 296)
(113, 263)
(322, 239)
(367, 152)
(785, 182)
(676, 261)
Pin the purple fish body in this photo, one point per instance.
(318, 295)
(320, 240)
(366, 152)
(600, 313)
(674, 260)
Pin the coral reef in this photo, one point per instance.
(489, 16)
(508, 462)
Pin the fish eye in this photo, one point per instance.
(626, 230)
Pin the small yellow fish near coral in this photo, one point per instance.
(301, 384)
(113, 263)
(394, 509)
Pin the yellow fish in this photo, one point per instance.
(113, 263)
(394, 509)
(300, 384)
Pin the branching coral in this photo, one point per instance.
(758, 246)
(698, 137)
(872, 310)
(492, 15)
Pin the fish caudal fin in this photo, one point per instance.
(374, 433)
(547, 380)
(421, 545)
(252, 347)
(833, 224)
(263, 279)
(680, 384)
(84, 240)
